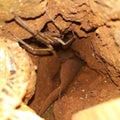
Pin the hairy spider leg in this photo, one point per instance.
(29, 48)
(58, 39)
(38, 35)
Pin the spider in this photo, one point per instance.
(45, 39)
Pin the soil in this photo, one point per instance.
(88, 88)
(81, 74)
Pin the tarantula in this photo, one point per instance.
(45, 39)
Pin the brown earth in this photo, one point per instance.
(82, 74)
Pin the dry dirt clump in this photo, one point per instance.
(79, 75)
(17, 81)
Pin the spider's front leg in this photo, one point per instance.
(57, 39)
(36, 51)
(65, 43)
(39, 36)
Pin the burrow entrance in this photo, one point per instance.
(81, 74)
